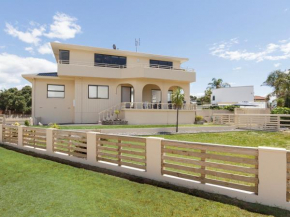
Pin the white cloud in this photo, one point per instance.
(272, 51)
(13, 66)
(64, 27)
(29, 49)
(45, 49)
(277, 65)
(2, 46)
(31, 36)
(197, 94)
(237, 68)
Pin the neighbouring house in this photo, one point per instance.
(232, 95)
(90, 83)
(260, 99)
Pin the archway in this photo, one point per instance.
(151, 96)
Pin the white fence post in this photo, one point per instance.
(272, 175)
(1, 133)
(49, 140)
(153, 157)
(92, 147)
(20, 135)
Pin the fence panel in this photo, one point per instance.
(122, 150)
(34, 137)
(228, 166)
(70, 143)
(10, 134)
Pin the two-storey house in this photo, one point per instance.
(90, 83)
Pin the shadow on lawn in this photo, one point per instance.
(252, 207)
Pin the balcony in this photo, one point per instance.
(90, 69)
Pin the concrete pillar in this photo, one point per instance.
(49, 140)
(153, 156)
(92, 147)
(272, 175)
(20, 135)
(1, 133)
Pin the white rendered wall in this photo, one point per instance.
(233, 94)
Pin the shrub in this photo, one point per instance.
(198, 118)
(231, 107)
(16, 124)
(281, 110)
(26, 123)
(53, 125)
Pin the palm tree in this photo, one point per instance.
(280, 82)
(217, 83)
(177, 99)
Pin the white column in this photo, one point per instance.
(49, 140)
(272, 175)
(1, 133)
(92, 147)
(20, 135)
(153, 156)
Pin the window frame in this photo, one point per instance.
(162, 66)
(64, 60)
(113, 65)
(55, 91)
(152, 95)
(94, 85)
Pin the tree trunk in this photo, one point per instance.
(177, 120)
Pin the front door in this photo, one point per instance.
(126, 94)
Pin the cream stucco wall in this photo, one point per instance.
(157, 116)
(53, 110)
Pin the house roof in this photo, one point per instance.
(60, 46)
(260, 97)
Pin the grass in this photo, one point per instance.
(83, 127)
(36, 187)
(241, 138)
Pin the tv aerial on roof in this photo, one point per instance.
(137, 43)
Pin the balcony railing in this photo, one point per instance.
(92, 64)
(155, 105)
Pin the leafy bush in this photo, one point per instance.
(231, 107)
(198, 118)
(53, 125)
(281, 110)
(26, 123)
(16, 124)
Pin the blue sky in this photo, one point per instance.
(238, 41)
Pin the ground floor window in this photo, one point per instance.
(98, 92)
(55, 91)
(169, 95)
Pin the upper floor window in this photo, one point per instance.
(213, 98)
(161, 64)
(64, 56)
(55, 91)
(110, 61)
(98, 92)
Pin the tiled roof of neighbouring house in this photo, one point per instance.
(50, 74)
(260, 97)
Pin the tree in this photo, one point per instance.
(17, 101)
(280, 82)
(177, 99)
(217, 83)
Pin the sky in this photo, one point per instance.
(239, 41)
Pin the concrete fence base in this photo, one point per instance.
(272, 169)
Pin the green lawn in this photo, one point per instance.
(83, 127)
(242, 138)
(32, 186)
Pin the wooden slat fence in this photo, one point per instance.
(122, 150)
(288, 177)
(266, 122)
(228, 166)
(2, 119)
(34, 137)
(10, 134)
(70, 142)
